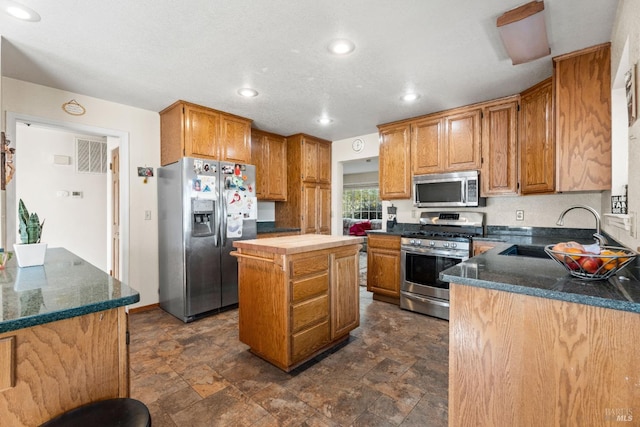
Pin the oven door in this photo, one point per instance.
(421, 269)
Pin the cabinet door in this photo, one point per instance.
(345, 308)
(395, 162)
(277, 167)
(324, 209)
(324, 163)
(582, 86)
(383, 265)
(536, 141)
(201, 133)
(426, 146)
(309, 221)
(259, 157)
(383, 272)
(234, 140)
(499, 149)
(463, 141)
(309, 160)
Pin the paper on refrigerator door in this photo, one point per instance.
(204, 187)
(234, 226)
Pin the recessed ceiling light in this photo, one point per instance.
(341, 46)
(21, 12)
(324, 120)
(247, 92)
(410, 97)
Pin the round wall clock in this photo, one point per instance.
(357, 145)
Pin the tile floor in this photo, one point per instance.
(391, 372)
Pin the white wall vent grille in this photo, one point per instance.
(92, 156)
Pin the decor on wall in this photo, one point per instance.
(630, 88)
(74, 108)
(145, 172)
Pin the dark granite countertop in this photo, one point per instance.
(545, 278)
(270, 227)
(66, 286)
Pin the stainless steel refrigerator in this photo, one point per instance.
(203, 206)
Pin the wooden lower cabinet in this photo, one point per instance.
(51, 368)
(292, 307)
(520, 360)
(383, 267)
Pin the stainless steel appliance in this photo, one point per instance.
(444, 239)
(203, 206)
(454, 189)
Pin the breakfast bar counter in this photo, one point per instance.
(298, 295)
(531, 345)
(63, 338)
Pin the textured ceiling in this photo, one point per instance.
(149, 53)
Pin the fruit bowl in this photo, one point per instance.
(591, 266)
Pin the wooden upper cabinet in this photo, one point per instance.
(582, 96)
(269, 155)
(463, 140)
(427, 140)
(190, 130)
(395, 161)
(536, 141)
(235, 139)
(316, 160)
(499, 175)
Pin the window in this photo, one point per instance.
(361, 203)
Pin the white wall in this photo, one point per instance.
(76, 224)
(625, 49)
(142, 128)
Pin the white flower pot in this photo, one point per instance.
(28, 255)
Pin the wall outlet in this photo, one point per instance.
(414, 213)
(147, 215)
(519, 215)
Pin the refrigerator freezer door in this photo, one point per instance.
(202, 259)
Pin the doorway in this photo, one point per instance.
(67, 196)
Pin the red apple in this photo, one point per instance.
(572, 263)
(590, 264)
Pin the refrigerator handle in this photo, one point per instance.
(223, 223)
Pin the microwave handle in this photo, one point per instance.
(464, 190)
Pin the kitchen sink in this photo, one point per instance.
(525, 251)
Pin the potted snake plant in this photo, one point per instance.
(31, 251)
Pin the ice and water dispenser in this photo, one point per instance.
(202, 217)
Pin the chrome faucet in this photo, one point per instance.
(597, 235)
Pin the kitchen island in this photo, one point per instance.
(298, 295)
(63, 338)
(530, 345)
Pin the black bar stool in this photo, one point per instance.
(122, 412)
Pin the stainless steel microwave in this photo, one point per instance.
(453, 189)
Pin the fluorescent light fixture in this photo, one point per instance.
(247, 92)
(410, 97)
(324, 120)
(21, 12)
(341, 46)
(524, 33)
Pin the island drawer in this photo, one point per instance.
(309, 312)
(306, 342)
(309, 265)
(306, 288)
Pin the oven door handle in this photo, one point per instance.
(415, 297)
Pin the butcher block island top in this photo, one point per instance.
(298, 243)
(298, 295)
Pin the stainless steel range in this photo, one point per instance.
(444, 239)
